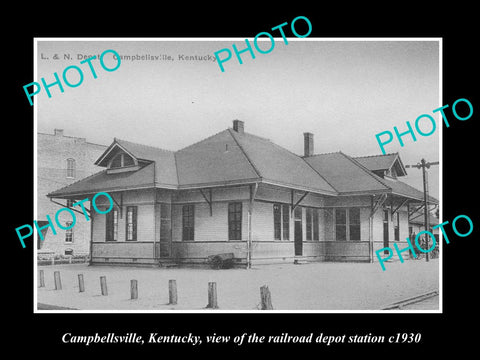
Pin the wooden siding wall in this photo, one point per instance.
(197, 252)
(208, 228)
(129, 252)
(148, 225)
(211, 231)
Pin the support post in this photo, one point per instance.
(81, 284)
(42, 279)
(425, 198)
(172, 292)
(103, 285)
(58, 281)
(212, 296)
(91, 237)
(370, 231)
(133, 289)
(253, 194)
(266, 298)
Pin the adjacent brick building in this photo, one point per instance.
(63, 160)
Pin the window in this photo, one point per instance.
(393, 173)
(69, 203)
(341, 224)
(69, 232)
(235, 221)
(122, 160)
(277, 221)
(286, 221)
(128, 160)
(312, 224)
(69, 252)
(117, 161)
(281, 222)
(71, 168)
(188, 222)
(111, 223)
(354, 223)
(131, 223)
(396, 226)
(347, 224)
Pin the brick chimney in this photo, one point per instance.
(238, 126)
(58, 132)
(308, 144)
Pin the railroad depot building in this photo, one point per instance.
(238, 193)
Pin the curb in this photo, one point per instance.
(411, 300)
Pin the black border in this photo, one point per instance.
(42, 332)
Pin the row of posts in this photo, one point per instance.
(265, 296)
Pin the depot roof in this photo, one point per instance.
(234, 157)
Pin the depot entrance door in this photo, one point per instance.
(298, 238)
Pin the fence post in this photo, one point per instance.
(266, 298)
(212, 296)
(133, 289)
(103, 285)
(172, 292)
(42, 279)
(58, 281)
(81, 285)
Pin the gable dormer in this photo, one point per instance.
(118, 159)
(389, 165)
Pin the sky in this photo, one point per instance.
(344, 92)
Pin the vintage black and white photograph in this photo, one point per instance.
(292, 181)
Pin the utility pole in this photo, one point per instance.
(425, 165)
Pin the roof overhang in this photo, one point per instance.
(431, 200)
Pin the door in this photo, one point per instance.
(385, 232)
(298, 232)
